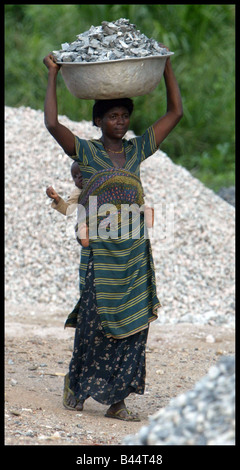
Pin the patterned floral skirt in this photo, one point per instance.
(106, 369)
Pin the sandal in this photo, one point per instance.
(130, 416)
(68, 393)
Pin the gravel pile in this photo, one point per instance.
(111, 41)
(204, 415)
(192, 241)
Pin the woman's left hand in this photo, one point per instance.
(167, 48)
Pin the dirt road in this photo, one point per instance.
(38, 351)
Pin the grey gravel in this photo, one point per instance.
(204, 415)
(111, 41)
(194, 257)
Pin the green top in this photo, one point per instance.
(123, 267)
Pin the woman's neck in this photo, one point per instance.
(113, 145)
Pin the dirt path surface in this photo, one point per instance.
(38, 351)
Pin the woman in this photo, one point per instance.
(117, 284)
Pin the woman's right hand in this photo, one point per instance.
(49, 62)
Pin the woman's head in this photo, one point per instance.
(101, 107)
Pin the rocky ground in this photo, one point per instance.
(38, 351)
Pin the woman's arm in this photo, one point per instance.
(62, 134)
(174, 113)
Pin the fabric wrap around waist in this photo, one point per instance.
(123, 266)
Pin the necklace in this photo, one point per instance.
(114, 151)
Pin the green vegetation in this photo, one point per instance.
(203, 39)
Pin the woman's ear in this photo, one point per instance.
(98, 122)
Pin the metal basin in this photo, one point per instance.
(124, 78)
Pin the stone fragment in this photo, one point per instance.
(120, 38)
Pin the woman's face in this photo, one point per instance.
(115, 122)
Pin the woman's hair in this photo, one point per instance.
(103, 106)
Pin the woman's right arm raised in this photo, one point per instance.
(62, 134)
